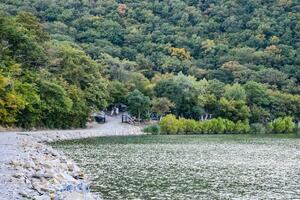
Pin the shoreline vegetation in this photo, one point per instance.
(171, 125)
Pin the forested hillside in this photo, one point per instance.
(62, 59)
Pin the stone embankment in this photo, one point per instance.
(47, 174)
(31, 169)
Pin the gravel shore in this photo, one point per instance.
(30, 169)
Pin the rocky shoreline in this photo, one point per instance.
(47, 174)
(37, 171)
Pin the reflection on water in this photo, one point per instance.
(189, 167)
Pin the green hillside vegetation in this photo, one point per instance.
(233, 60)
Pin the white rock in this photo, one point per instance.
(18, 175)
(29, 164)
(47, 189)
(15, 163)
(24, 194)
(47, 165)
(43, 197)
(74, 196)
(70, 166)
(63, 177)
(42, 175)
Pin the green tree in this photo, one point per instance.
(161, 106)
(55, 105)
(31, 23)
(233, 110)
(117, 92)
(138, 105)
(256, 94)
(21, 43)
(32, 109)
(74, 66)
(235, 92)
(10, 101)
(183, 91)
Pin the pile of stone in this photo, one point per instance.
(48, 175)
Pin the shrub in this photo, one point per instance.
(153, 129)
(242, 127)
(290, 125)
(282, 125)
(181, 125)
(190, 126)
(257, 128)
(277, 125)
(230, 125)
(169, 124)
(219, 126)
(206, 126)
(199, 128)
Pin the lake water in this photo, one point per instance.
(189, 167)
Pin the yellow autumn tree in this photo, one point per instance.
(181, 53)
(232, 66)
(10, 102)
(208, 45)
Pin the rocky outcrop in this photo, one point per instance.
(48, 174)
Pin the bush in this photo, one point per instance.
(169, 124)
(242, 127)
(257, 128)
(230, 125)
(282, 125)
(189, 126)
(218, 125)
(181, 125)
(153, 129)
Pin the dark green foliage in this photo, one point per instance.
(161, 106)
(256, 94)
(20, 43)
(232, 109)
(138, 105)
(153, 129)
(45, 83)
(183, 91)
(256, 33)
(231, 59)
(257, 128)
(55, 105)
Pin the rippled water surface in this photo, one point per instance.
(190, 167)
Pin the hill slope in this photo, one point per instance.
(132, 43)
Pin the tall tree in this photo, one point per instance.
(138, 105)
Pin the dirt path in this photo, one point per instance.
(10, 147)
(112, 127)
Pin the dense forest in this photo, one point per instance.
(235, 60)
